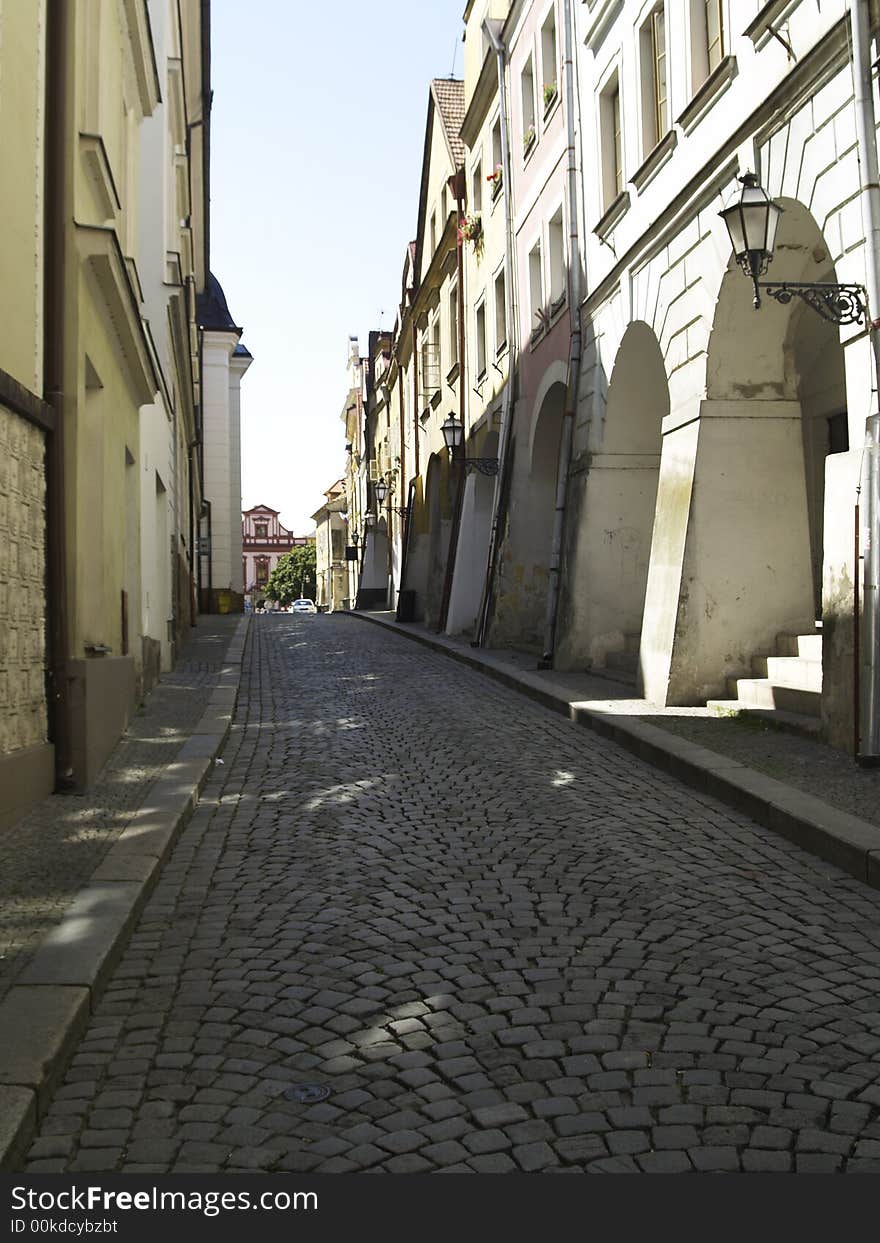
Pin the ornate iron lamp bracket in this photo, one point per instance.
(839, 304)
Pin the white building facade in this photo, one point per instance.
(224, 362)
(717, 449)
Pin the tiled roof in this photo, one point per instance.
(449, 97)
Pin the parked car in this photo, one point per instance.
(303, 606)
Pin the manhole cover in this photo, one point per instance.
(308, 1093)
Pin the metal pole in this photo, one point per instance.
(870, 204)
(493, 30)
(574, 355)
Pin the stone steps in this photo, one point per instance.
(788, 685)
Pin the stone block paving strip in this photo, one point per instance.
(491, 941)
(48, 855)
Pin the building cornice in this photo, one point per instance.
(481, 101)
(100, 252)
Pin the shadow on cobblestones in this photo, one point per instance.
(500, 943)
(50, 853)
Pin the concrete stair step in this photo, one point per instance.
(762, 693)
(807, 646)
(793, 722)
(794, 671)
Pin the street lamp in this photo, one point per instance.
(453, 436)
(382, 490)
(751, 223)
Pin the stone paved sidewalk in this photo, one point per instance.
(50, 853)
(493, 942)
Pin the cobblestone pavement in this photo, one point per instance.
(804, 762)
(52, 851)
(500, 943)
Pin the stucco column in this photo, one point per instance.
(611, 517)
(730, 558)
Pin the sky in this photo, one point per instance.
(317, 134)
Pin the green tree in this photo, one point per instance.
(293, 576)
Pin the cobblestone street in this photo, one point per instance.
(498, 942)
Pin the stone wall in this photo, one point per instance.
(22, 584)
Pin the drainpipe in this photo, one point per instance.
(574, 354)
(866, 135)
(57, 85)
(456, 183)
(492, 29)
(402, 390)
(415, 371)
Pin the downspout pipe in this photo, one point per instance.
(574, 352)
(866, 137)
(58, 36)
(492, 28)
(456, 184)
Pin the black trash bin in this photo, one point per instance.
(406, 605)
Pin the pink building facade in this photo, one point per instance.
(264, 542)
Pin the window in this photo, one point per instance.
(477, 187)
(453, 326)
(500, 312)
(481, 340)
(262, 571)
(261, 530)
(707, 39)
(611, 142)
(536, 295)
(495, 175)
(433, 232)
(655, 104)
(556, 248)
(549, 69)
(444, 207)
(429, 364)
(527, 95)
(714, 33)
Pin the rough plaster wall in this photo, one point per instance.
(22, 584)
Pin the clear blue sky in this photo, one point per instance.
(316, 148)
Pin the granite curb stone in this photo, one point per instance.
(44, 1015)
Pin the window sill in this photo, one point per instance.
(500, 350)
(496, 191)
(453, 373)
(714, 86)
(481, 378)
(536, 335)
(436, 397)
(558, 306)
(550, 108)
(761, 29)
(603, 13)
(528, 149)
(617, 209)
(656, 158)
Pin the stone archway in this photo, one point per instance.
(373, 590)
(611, 515)
(473, 543)
(521, 602)
(438, 510)
(737, 546)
